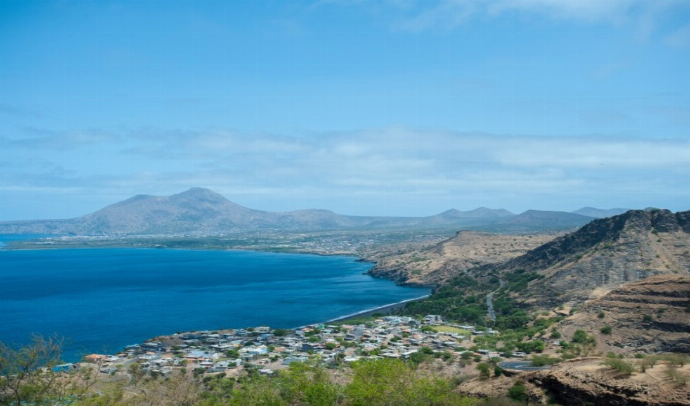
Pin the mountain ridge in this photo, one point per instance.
(606, 253)
(202, 211)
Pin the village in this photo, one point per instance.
(267, 350)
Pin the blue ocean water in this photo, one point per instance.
(103, 299)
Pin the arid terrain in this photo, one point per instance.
(434, 265)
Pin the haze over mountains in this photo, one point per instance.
(202, 211)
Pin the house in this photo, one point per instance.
(433, 319)
(290, 360)
(95, 358)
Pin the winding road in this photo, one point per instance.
(490, 300)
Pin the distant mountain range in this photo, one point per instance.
(203, 212)
(599, 213)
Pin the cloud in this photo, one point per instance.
(445, 15)
(348, 171)
(42, 139)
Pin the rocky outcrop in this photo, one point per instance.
(608, 253)
(582, 382)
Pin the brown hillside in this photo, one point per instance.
(606, 254)
(467, 249)
(651, 315)
(588, 382)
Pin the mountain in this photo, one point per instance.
(599, 213)
(548, 219)
(195, 209)
(481, 212)
(203, 212)
(606, 253)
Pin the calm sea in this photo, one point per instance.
(103, 299)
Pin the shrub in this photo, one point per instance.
(542, 360)
(518, 392)
(676, 375)
(580, 336)
(622, 366)
(601, 315)
(677, 359)
(606, 330)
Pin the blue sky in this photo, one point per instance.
(391, 107)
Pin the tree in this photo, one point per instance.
(27, 376)
(395, 382)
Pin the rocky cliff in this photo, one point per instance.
(433, 266)
(607, 253)
(588, 382)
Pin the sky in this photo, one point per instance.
(363, 107)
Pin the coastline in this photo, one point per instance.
(355, 256)
(385, 309)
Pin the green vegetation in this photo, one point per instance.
(605, 330)
(27, 377)
(517, 281)
(580, 337)
(543, 360)
(518, 392)
(622, 366)
(484, 370)
(383, 382)
(461, 299)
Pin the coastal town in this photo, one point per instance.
(266, 350)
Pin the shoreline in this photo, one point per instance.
(385, 309)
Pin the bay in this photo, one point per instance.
(100, 300)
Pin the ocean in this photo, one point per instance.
(100, 300)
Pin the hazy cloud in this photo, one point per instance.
(375, 162)
(444, 15)
(44, 139)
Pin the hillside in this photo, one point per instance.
(605, 254)
(588, 382)
(435, 265)
(599, 213)
(651, 315)
(548, 219)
